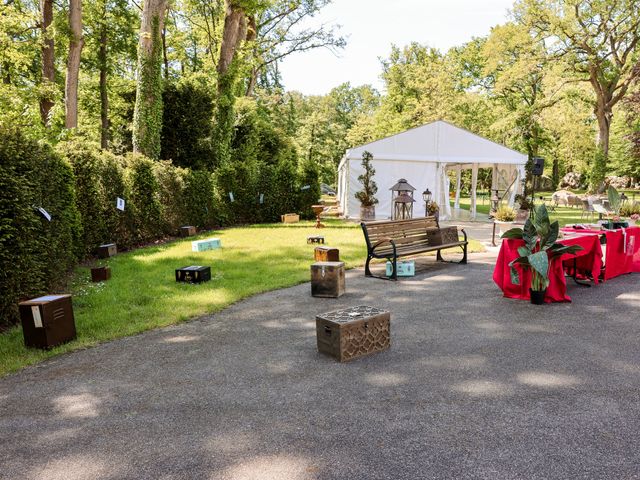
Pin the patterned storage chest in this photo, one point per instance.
(354, 332)
(208, 244)
(406, 268)
(442, 236)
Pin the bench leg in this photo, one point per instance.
(367, 271)
(464, 254)
(394, 271)
(439, 257)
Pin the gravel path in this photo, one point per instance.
(474, 386)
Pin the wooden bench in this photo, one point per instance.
(392, 239)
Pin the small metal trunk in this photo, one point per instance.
(326, 254)
(187, 231)
(327, 279)
(315, 239)
(107, 250)
(354, 332)
(193, 274)
(100, 274)
(47, 321)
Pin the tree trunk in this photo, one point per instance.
(599, 170)
(104, 94)
(164, 53)
(234, 31)
(147, 117)
(76, 42)
(48, 59)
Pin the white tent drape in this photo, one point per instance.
(474, 187)
(456, 204)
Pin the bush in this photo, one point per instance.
(145, 201)
(35, 254)
(171, 185)
(120, 226)
(236, 185)
(309, 174)
(198, 200)
(630, 208)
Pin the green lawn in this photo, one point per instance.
(142, 293)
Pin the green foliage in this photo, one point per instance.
(540, 246)
(120, 225)
(615, 201)
(144, 197)
(505, 214)
(309, 188)
(171, 186)
(236, 185)
(187, 124)
(199, 201)
(366, 196)
(35, 254)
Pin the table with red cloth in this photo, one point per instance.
(588, 259)
(622, 252)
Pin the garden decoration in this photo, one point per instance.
(107, 250)
(615, 204)
(100, 274)
(193, 274)
(540, 246)
(366, 196)
(402, 203)
(47, 321)
(317, 210)
(327, 279)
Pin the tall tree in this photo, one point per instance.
(147, 118)
(598, 39)
(76, 42)
(48, 60)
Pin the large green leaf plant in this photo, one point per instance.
(539, 248)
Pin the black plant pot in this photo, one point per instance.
(537, 296)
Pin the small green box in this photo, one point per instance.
(208, 244)
(406, 268)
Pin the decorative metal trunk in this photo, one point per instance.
(208, 244)
(47, 321)
(315, 239)
(327, 279)
(354, 332)
(193, 274)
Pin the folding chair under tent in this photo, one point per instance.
(423, 156)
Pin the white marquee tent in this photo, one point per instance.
(423, 156)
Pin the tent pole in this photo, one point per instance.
(474, 184)
(456, 204)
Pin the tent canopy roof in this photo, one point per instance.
(439, 141)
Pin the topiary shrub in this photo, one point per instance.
(198, 198)
(145, 201)
(35, 254)
(120, 225)
(309, 177)
(236, 185)
(171, 185)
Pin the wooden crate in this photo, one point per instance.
(187, 231)
(107, 250)
(326, 254)
(290, 218)
(193, 274)
(47, 321)
(442, 236)
(354, 332)
(100, 274)
(204, 245)
(311, 239)
(327, 279)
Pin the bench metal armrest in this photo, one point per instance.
(465, 234)
(384, 240)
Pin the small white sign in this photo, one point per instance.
(262, 198)
(37, 319)
(231, 196)
(306, 187)
(44, 213)
(120, 204)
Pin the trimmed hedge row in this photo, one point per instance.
(78, 184)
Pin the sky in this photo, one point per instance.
(372, 26)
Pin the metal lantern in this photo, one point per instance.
(495, 200)
(402, 200)
(426, 196)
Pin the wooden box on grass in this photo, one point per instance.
(327, 279)
(204, 245)
(326, 254)
(47, 321)
(290, 218)
(100, 274)
(107, 250)
(193, 274)
(187, 231)
(354, 332)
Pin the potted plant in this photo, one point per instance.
(366, 196)
(615, 203)
(504, 216)
(540, 247)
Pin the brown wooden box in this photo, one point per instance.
(354, 332)
(442, 236)
(290, 218)
(327, 279)
(107, 250)
(47, 321)
(100, 274)
(326, 254)
(315, 239)
(187, 231)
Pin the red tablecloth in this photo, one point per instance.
(622, 254)
(590, 258)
